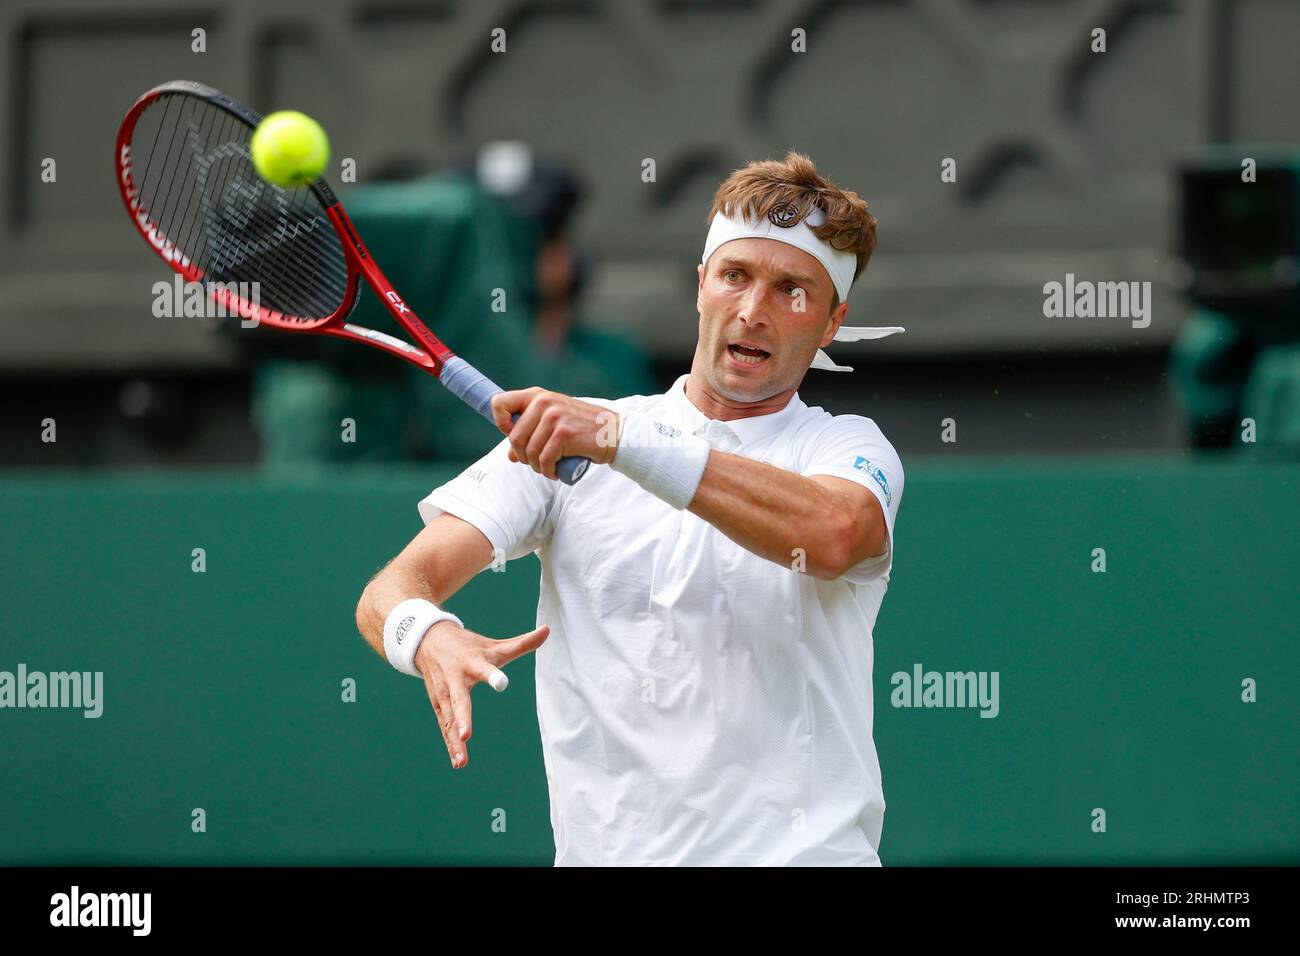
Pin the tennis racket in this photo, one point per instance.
(189, 185)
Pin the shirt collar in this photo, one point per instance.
(748, 430)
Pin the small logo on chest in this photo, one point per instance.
(667, 430)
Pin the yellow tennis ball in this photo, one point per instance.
(289, 148)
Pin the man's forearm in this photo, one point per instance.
(772, 512)
(385, 591)
(434, 566)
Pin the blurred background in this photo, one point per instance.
(1067, 161)
(1169, 157)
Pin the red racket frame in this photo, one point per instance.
(360, 265)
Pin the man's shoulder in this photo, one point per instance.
(825, 435)
(817, 423)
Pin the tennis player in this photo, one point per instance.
(704, 632)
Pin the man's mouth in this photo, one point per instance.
(748, 355)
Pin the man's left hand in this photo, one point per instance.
(552, 426)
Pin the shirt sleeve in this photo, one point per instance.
(508, 501)
(854, 448)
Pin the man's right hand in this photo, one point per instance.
(452, 660)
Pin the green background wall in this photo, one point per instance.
(223, 689)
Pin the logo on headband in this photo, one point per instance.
(785, 215)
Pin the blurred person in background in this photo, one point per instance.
(547, 193)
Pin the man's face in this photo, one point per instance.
(769, 295)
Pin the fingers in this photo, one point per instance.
(524, 430)
(545, 444)
(551, 426)
(456, 667)
(460, 705)
(505, 404)
(550, 457)
(440, 696)
(535, 439)
(500, 653)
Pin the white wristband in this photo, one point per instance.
(661, 458)
(406, 626)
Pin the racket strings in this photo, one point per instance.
(283, 231)
(209, 208)
(209, 120)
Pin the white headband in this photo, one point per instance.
(839, 265)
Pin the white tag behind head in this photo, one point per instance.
(851, 333)
(823, 361)
(857, 333)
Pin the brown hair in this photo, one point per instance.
(789, 189)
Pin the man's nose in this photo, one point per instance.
(754, 306)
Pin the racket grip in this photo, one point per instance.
(476, 390)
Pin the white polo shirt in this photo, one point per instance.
(698, 704)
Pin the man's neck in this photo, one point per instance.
(715, 406)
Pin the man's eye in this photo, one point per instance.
(729, 273)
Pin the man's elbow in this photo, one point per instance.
(835, 555)
(365, 613)
(361, 611)
(843, 545)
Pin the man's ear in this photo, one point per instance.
(836, 320)
(699, 289)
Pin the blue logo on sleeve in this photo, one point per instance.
(863, 464)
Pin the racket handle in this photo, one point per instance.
(475, 389)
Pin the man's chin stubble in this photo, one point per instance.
(759, 391)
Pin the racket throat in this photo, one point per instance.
(385, 340)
